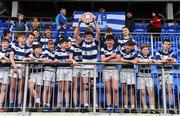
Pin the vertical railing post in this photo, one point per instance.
(25, 88)
(94, 92)
(164, 90)
(152, 46)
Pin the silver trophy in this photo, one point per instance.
(87, 18)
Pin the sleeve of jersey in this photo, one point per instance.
(96, 42)
(135, 54)
(158, 57)
(134, 40)
(121, 53)
(138, 56)
(102, 51)
(12, 49)
(28, 54)
(56, 54)
(151, 57)
(174, 56)
(71, 51)
(57, 20)
(44, 54)
(118, 52)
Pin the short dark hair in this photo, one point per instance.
(166, 40)
(125, 27)
(48, 27)
(21, 35)
(130, 43)
(35, 30)
(37, 46)
(109, 37)
(5, 32)
(31, 34)
(88, 33)
(108, 30)
(63, 40)
(4, 40)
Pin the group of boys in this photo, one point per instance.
(61, 64)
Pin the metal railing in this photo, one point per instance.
(108, 87)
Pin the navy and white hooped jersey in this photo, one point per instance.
(35, 68)
(30, 47)
(36, 42)
(49, 55)
(131, 55)
(161, 55)
(4, 54)
(89, 51)
(107, 53)
(20, 52)
(77, 53)
(72, 40)
(145, 68)
(44, 41)
(122, 42)
(13, 42)
(62, 56)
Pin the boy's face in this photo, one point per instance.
(125, 31)
(51, 46)
(88, 38)
(128, 48)
(21, 17)
(65, 45)
(9, 35)
(35, 19)
(22, 40)
(36, 33)
(63, 11)
(48, 35)
(5, 45)
(129, 15)
(109, 42)
(38, 50)
(145, 50)
(31, 39)
(166, 46)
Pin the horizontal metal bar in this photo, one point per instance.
(94, 63)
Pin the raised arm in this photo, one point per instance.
(97, 29)
(77, 32)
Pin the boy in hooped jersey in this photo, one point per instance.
(4, 70)
(128, 74)
(36, 73)
(125, 37)
(49, 73)
(145, 79)
(110, 53)
(77, 74)
(64, 56)
(89, 54)
(47, 36)
(19, 51)
(167, 56)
